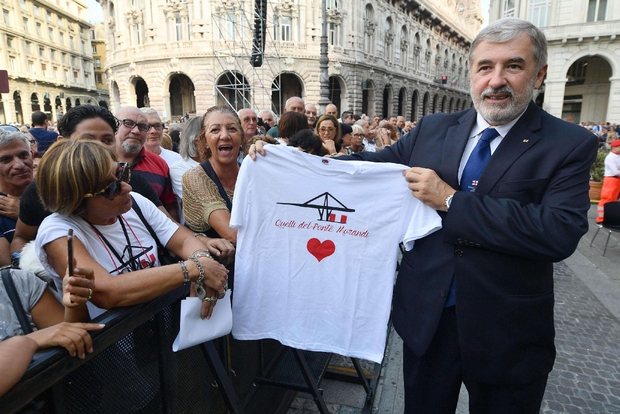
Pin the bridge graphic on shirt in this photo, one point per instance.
(325, 204)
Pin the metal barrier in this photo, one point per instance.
(133, 370)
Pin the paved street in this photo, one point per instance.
(586, 375)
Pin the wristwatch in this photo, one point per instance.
(448, 201)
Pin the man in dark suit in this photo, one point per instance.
(474, 301)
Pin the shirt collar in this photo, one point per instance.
(481, 125)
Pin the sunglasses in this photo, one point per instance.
(123, 174)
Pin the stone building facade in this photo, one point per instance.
(583, 79)
(45, 47)
(385, 56)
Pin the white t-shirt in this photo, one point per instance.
(144, 248)
(176, 174)
(314, 277)
(169, 156)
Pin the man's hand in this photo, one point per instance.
(9, 207)
(427, 187)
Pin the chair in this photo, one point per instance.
(611, 221)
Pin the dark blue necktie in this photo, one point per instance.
(478, 159)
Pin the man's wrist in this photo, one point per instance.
(448, 202)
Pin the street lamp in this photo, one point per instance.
(324, 64)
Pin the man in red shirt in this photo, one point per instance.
(130, 138)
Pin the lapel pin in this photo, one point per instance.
(526, 140)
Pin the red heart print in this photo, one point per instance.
(321, 250)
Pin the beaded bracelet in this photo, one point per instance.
(185, 271)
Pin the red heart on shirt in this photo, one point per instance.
(321, 250)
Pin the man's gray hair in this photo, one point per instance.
(149, 111)
(273, 115)
(504, 30)
(243, 109)
(8, 137)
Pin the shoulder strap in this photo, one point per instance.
(7, 279)
(138, 211)
(212, 175)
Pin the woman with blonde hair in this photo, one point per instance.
(117, 232)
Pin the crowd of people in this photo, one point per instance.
(473, 302)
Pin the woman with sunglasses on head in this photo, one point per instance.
(86, 187)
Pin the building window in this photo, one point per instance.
(31, 67)
(6, 17)
(596, 10)
(71, 42)
(25, 20)
(66, 75)
(36, 10)
(285, 28)
(9, 41)
(28, 47)
(178, 28)
(333, 34)
(41, 52)
(50, 31)
(539, 12)
(48, 16)
(39, 29)
(43, 69)
(98, 63)
(99, 78)
(231, 26)
(75, 76)
(333, 4)
(12, 64)
(59, 21)
(92, 35)
(508, 8)
(61, 38)
(136, 29)
(55, 70)
(94, 49)
(22, 3)
(53, 54)
(83, 47)
(64, 58)
(72, 60)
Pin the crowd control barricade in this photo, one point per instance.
(133, 370)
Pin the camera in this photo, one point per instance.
(260, 122)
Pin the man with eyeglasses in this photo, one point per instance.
(130, 141)
(155, 135)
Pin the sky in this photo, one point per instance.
(95, 14)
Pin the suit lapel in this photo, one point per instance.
(521, 137)
(454, 145)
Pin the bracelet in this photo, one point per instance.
(200, 234)
(185, 271)
(201, 271)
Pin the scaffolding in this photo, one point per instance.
(242, 79)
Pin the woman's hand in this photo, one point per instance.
(216, 275)
(219, 248)
(257, 147)
(330, 146)
(71, 336)
(207, 306)
(78, 289)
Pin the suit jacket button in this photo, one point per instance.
(458, 253)
(459, 240)
(442, 293)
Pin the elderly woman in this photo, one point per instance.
(208, 188)
(357, 140)
(328, 129)
(86, 188)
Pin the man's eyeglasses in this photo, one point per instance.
(156, 126)
(132, 124)
(123, 174)
(359, 135)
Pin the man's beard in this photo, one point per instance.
(131, 148)
(500, 114)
